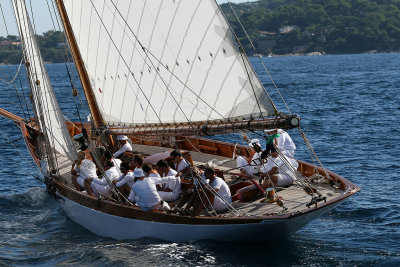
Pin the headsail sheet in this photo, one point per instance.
(164, 61)
(46, 107)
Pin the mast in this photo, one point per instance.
(83, 75)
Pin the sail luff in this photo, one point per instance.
(246, 60)
(45, 104)
(79, 63)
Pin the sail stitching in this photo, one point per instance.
(139, 87)
(179, 80)
(145, 50)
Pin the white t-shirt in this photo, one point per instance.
(285, 143)
(123, 149)
(181, 165)
(144, 192)
(284, 171)
(87, 169)
(175, 186)
(127, 179)
(223, 193)
(111, 174)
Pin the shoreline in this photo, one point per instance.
(266, 56)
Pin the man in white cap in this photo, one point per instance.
(123, 144)
(277, 173)
(283, 141)
(144, 191)
(252, 166)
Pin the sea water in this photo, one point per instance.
(350, 110)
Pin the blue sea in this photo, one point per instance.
(350, 110)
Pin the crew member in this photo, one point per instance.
(123, 144)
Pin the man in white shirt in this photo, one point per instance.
(126, 180)
(123, 144)
(277, 172)
(282, 141)
(100, 187)
(180, 163)
(144, 191)
(81, 170)
(170, 191)
(251, 167)
(219, 196)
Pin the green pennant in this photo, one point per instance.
(272, 137)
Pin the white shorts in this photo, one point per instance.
(81, 181)
(284, 180)
(102, 190)
(168, 196)
(220, 205)
(244, 165)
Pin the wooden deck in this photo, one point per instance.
(294, 197)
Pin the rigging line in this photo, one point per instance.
(30, 43)
(202, 184)
(19, 78)
(67, 62)
(245, 65)
(251, 83)
(154, 67)
(119, 52)
(11, 84)
(201, 199)
(164, 66)
(259, 56)
(315, 154)
(216, 195)
(273, 82)
(289, 166)
(18, 151)
(118, 61)
(15, 76)
(4, 19)
(16, 89)
(237, 18)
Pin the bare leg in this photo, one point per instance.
(75, 183)
(185, 198)
(125, 190)
(88, 187)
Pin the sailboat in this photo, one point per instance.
(167, 74)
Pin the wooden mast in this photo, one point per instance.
(83, 75)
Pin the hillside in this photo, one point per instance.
(51, 46)
(282, 27)
(330, 26)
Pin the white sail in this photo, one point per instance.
(164, 61)
(46, 107)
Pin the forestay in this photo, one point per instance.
(165, 61)
(46, 107)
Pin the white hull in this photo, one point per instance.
(117, 227)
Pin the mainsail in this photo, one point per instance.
(155, 62)
(45, 104)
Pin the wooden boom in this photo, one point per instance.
(207, 127)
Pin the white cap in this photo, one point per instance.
(269, 130)
(138, 172)
(254, 141)
(122, 137)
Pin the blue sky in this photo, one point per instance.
(42, 17)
